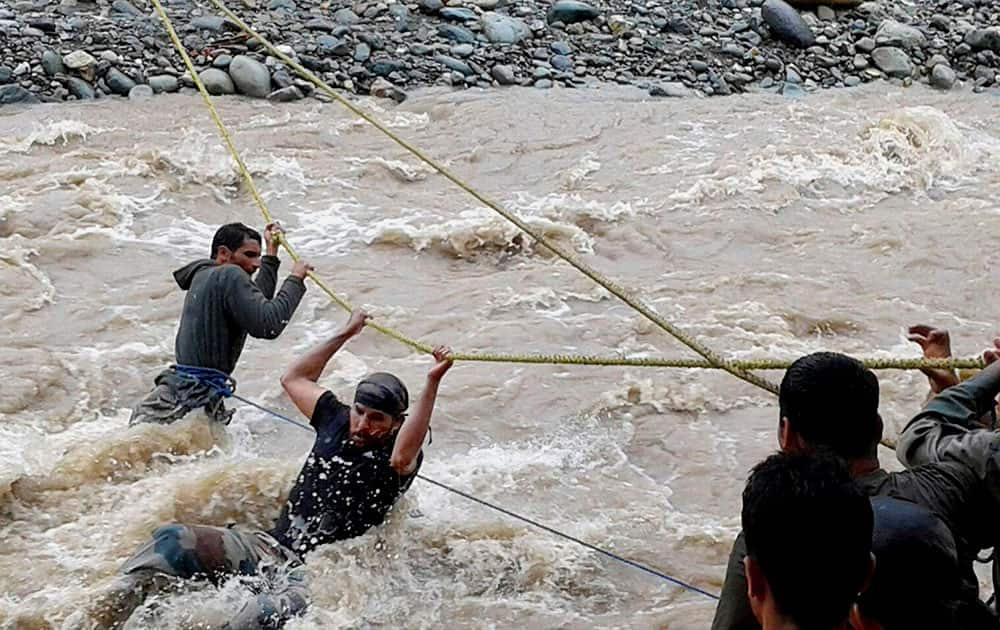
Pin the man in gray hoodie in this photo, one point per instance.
(223, 305)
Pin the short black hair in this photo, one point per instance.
(232, 236)
(832, 402)
(918, 579)
(808, 527)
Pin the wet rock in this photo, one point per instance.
(455, 64)
(164, 83)
(501, 29)
(942, 77)
(80, 89)
(222, 61)
(380, 88)
(321, 24)
(346, 17)
(124, 8)
(571, 12)
(118, 82)
(893, 33)
(458, 14)
(786, 24)
(211, 23)
(331, 45)
(6, 74)
(504, 74)
(287, 6)
(456, 34)
(13, 93)
(892, 61)
(671, 90)
(79, 60)
(561, 63)
(864, 45)
(217, 82)
(984, 39)
(250, 76)
(140, 93)
(791, 90)
(286, 95)
(561, 48)
(430, 6)
(52, 63)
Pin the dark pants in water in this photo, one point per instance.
(216, 554)
(175, 396)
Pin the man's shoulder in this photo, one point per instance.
(932, 485)
(329, 414)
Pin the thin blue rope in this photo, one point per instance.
(214, 378)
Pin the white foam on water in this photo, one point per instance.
(912, 148)
(50, 133)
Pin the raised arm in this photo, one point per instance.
(410, 438)
(267, 275)
(260, 317)
(300, 379)
(936, 344)
(949, 427)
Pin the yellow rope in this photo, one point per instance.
(568, 256)
(550, 359)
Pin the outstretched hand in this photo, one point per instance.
(993, 354)
(936, 344)
(354, 326)
(272, 237)
(442, 357)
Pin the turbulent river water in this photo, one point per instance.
(766, 227)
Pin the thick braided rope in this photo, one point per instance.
(568, 256)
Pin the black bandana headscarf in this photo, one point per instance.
(383, 392)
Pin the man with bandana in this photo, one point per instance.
(364, 458)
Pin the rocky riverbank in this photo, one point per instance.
(54, 50)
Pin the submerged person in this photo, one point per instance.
(796, 502)
(222, 306)
(829, 402)
(365, 456)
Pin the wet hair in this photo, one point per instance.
(831, 401)
(917, 581)
(808, 527)
(384, 392)
(232, 236)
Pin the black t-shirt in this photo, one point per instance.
(342, 490)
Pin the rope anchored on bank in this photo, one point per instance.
(709, 360)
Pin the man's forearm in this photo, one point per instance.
(410, 438)
(311, 365)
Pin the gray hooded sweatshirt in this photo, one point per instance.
(223, 305)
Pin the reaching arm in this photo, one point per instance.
(936, 344)
(410, 439)
(948, 428)
(260, 317)
(300, 379)
(267, 276)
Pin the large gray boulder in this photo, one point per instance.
(786, 24)
(893, 61)
(217, 82)
(250, 76)
(501, 29)
(571, 11)
(893, 33)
